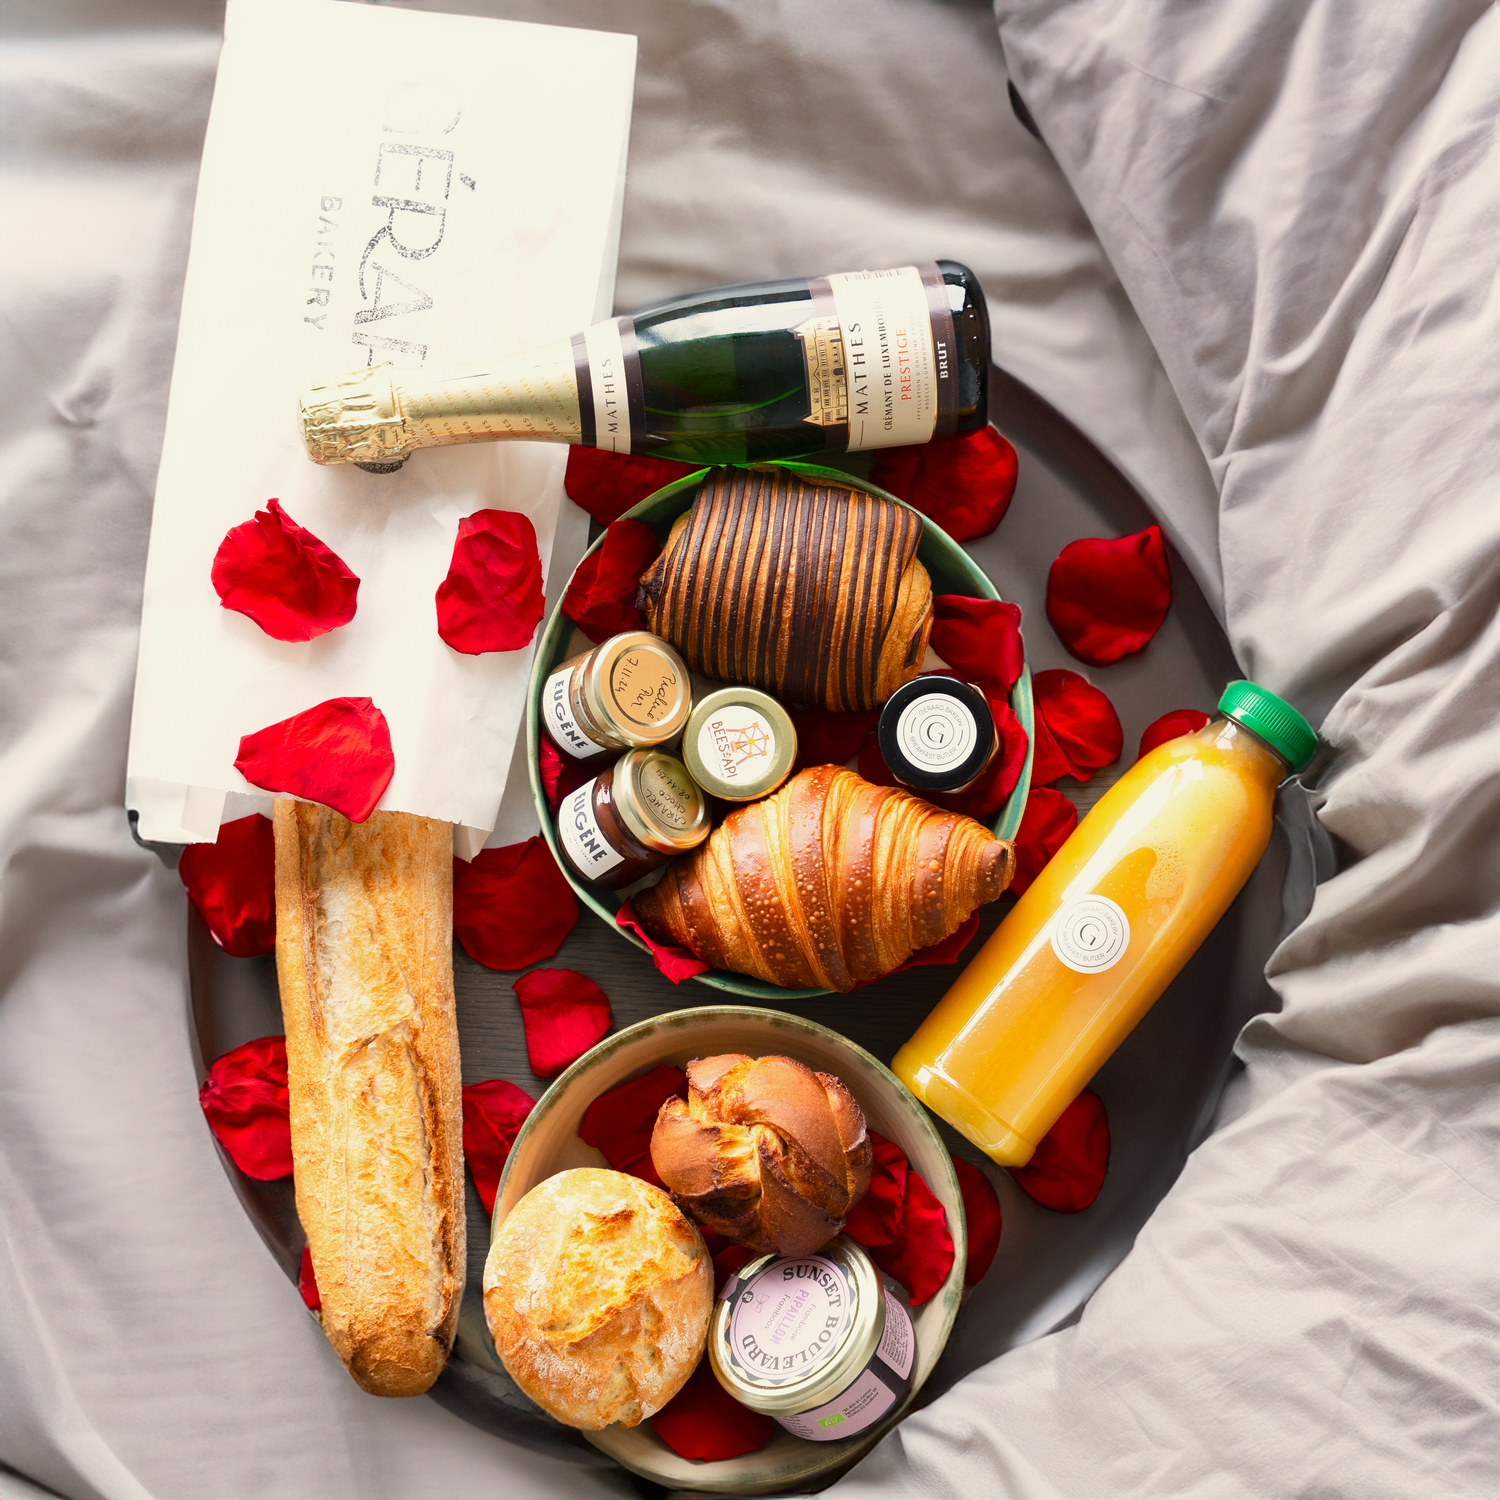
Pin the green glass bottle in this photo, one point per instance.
(773, 370)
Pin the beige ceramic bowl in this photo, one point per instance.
(549, 1143)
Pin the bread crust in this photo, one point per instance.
(597, 1291)
(364, 959)
(828, 882)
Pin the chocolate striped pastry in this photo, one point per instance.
(811, 591)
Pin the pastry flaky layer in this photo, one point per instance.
(597, 1292)
(765, 1151)
(364, 957)
(811, 591)
(827, 883)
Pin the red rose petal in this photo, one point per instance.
(825, 738)
(872, 764)
(981, 1216)
(964, 484)
(729, 1262)
(675, 963)
(337, 752)
(1048, 822)
(494, 1112)
(1107, 596)
(491, 599)
(601, 594)
(1067, 1169)
(619, 1123)
(282, 577)
(244, 1099)
(1049, 762)
(1179, 722)
(307, 1281)
(948, 950)
(921, 1255)
(876, 1218)
(1080, 718)
(564, 1014)
(705, 1423)
(978, 638)
(232, 882)
(606, 485)
(512, 906)
(560, 774)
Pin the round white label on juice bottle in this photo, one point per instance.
(1090, 934)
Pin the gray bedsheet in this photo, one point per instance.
(1255, 259)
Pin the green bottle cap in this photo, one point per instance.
(1272, 719)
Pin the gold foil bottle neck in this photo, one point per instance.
(355, 419)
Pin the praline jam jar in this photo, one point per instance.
(739, 744)
(632, 817)
(632, 692)
(936, 734)
(822, 1342)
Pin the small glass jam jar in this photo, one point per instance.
(631, 818)
(937, 734)
(631, 692)
(823, 1343)
(739, 744)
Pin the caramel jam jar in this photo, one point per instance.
(631, 818)
(632, 692)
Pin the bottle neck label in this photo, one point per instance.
(611, 404)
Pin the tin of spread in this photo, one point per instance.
(631, 818)
(630, 692)
(823, 1343)
(936, 734)
(739, 744)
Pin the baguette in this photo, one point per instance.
(364, 957)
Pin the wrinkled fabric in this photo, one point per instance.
(1294, 199)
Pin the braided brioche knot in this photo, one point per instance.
(765, 1151)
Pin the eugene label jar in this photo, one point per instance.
(739, 744)
(824, 1343)
(936, 734)
(631, 818)
(632, 692)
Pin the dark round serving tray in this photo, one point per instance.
(1160, 1087)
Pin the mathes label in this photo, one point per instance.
(1091, 934)
(890, 357)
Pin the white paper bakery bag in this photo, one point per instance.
(376, 185)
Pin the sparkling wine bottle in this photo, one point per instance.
(775, 369)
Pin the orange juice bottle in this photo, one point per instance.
(1105, 927)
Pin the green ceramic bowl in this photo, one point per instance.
(549, 1143)
(953, 571)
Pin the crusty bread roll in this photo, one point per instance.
(766, 1152)
(364, 956)
(597, 1291)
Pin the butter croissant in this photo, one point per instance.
(828, 883)
(811, 591)
(766, 1152)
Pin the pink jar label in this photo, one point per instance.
(791, 1318)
